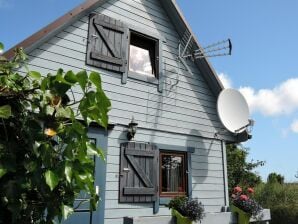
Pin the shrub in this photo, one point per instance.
(281, 199)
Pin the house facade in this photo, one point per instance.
(179, 144)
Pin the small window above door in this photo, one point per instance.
(143, 55)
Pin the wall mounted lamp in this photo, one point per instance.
(132, 129)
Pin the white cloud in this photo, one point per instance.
(225, 80)
(294, 126)
(281, 100)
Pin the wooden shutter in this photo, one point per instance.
(138, 172)
(108, 43)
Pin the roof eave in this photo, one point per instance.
(34, 40)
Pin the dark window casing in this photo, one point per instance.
(147, 46)
(173, 174)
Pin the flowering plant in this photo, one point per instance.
(245, 202)
(190, 208)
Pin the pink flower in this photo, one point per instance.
(250, 190)
(237, 190)
(243, 197)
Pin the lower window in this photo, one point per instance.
(173, 174)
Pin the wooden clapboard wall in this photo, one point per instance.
(207, 173)
(186, 105)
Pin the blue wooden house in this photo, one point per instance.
(179, 144)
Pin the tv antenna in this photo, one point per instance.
(189, 50)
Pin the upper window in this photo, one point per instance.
(143, 55)
(121, 48)
(173, 174)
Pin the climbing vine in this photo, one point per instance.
(46, 158)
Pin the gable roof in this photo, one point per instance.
(88, 6)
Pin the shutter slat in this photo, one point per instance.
(139, 153)
(98, 56)
(139, 191)
(110, 26)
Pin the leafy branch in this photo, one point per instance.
(46, 157)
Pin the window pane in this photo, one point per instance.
(139, 60)
(172, 169)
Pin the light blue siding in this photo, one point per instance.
(184, 114)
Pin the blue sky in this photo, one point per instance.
(263, 65)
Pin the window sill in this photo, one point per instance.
(141, 77)
(164, 200)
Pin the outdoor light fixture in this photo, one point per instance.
(132, 129)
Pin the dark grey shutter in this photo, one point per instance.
(108, 43)
(138, 172)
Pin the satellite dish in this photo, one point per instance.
(233, 111)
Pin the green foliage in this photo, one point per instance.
(5, 111)
(46, 158)
(189, 208)
(281, 199)
(1, 47)
(275, 178)
(240, 172)
(177, 202)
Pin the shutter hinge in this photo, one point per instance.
(94, 36)
(126, 169)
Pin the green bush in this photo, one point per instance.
(281, 199)
(284, 214)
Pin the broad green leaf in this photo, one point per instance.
(70, 77)
(61, 87)
(34, 75)
(44, 84)
(30, 166)
(66, 211)
(95, 79)
(92, 150)
(5, 111)
(101, 154)
(49, 110)
(68, 172)
(60, 77)
(3, 171)
(94, 202)
(82, 79)
(79, 128)
(63, 112)
(52, 179)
